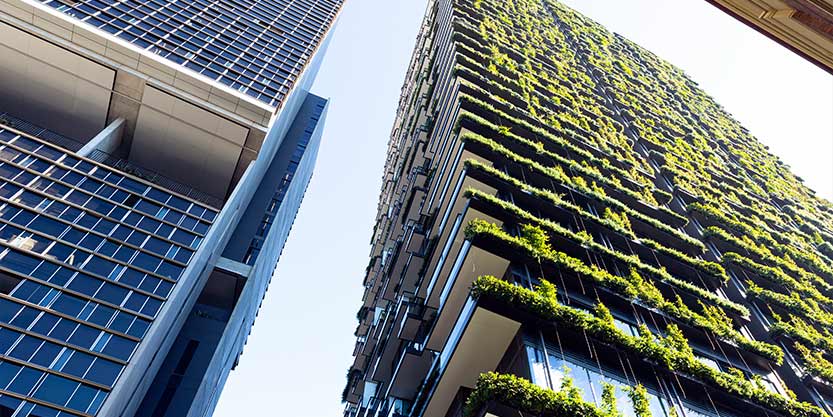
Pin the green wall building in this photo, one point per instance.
(569, 226)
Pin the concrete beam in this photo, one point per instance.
(233, 267)
(108, 140)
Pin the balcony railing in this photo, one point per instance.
(39, 132)
(155, 177)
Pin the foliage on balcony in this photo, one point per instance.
(619, 218)
(671, 352)
(764, 255)
(798, 329)
(775, 276)
(711, 268)
(590, 168)
(815, 363)
(794, 303)
(550, 197)
(584, 239)
(595, 193)
(762, 243)
(621, 285)
(535, 242)
(523, 395)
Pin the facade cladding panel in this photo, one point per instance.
(569, 225)
(256, 47)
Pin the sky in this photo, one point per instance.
(299, 351)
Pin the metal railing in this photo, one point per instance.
(41, 133)
(154, 177)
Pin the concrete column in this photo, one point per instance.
(125, 103)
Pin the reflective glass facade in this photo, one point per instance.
(89, 255)
(256, 47)
(283, 186)
(128, 282)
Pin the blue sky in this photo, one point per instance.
(300, 348)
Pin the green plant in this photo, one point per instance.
(622, 285)
(671, 352)
(815, 363)
(524, 395)
(639, 398)
(609, 407)
(621, 219)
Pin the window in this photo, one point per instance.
(25, 381)
(588, 378)
(56, 390)
(7, 372)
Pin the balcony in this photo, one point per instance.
(470, 263)
(478, 341)
(409, 259)
(454, 218)
(410, 369)
(411, 319)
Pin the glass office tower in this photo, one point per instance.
(153, 157)
(569, 226)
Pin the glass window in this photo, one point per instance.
(7, 339)
(84, 336)
(25, 348)
(68, 304)
(138, 328)
(99, 266)
(108, 248)
(581, 379)
(63, 329)
(101, 315)
(111, 293)
(7, 372)
(19, 262)
(537, 366)
(83, 398)
(708, 362)
(121, 322)
(25, 381)
(104, 372)
(589, 379)
(56, 389)
(146, 261)
(84, 284)
(61, 252)
(91, 241)
(25, 318)
(43, 325)
(157, 246)
(8, 405)
(8, 309)
(124, 253)
(78, 364)
(119, 347)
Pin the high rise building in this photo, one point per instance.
(153, 157)
(569, 226)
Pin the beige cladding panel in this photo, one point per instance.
(51, 86)
(185, 143)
